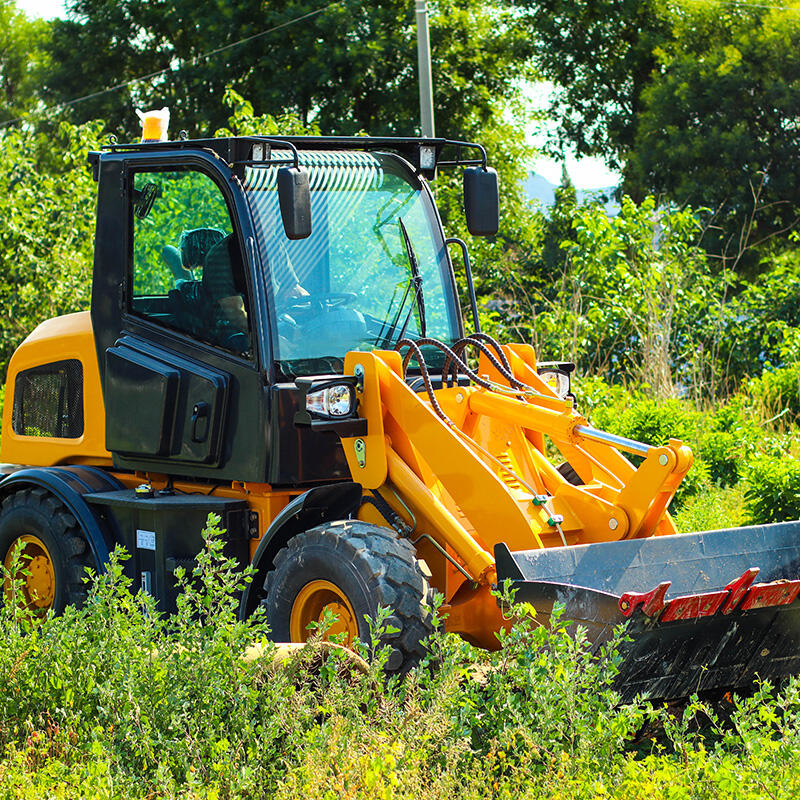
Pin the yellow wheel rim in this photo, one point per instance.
(310, 606)
(39, 584)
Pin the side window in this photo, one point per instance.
(187, 271)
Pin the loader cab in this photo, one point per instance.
(206, 313)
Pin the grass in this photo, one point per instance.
(115, 701)
(713, 508)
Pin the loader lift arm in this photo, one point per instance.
(466, 467)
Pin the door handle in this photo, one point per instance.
(201, 411)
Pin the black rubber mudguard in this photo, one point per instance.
(706, 612)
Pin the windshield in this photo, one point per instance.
(373, 271)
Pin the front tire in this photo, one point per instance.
(351, 568)
(54, 551)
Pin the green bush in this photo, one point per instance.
(775, 394)
(655, 422)
(716, 508)
(772, 489)
(728, 437)
(117, 701)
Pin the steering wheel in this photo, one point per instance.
(295, 312)
(318, 301)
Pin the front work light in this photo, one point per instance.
(334, 401)
(557, 376)
(329, 403)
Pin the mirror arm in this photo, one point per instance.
(470, 285)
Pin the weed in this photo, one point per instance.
(115, 700)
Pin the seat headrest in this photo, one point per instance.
(223, 273)
(196, 244)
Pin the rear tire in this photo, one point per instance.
(55, 551)
(352, 567)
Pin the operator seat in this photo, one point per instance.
(188, 307)
(212, 308)
(225, 288)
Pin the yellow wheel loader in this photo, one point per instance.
(275, 336)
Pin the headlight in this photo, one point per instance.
(333, 401)
(329, 403)
(557, 381)
(556, 376)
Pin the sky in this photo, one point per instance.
(42, 8)
(586, 173)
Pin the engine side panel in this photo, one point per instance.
(63, 339)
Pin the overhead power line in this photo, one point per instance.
(189, 62)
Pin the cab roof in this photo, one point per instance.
(425, 154)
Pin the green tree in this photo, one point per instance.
(694, 100)
(719, 117)
(46, 238)
(558, 231)
(599, 55)
(22, 59)
(629, 303)
(347, 69)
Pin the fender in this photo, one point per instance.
(322, 504)
(69, 485)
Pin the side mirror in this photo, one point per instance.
(481, 201)
(294, 197)
(143, 199)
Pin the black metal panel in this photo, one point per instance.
(166, 405)
(141, 399)
(244, 439)
(300, 454)
(164, 532)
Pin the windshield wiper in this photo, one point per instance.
(416, 280)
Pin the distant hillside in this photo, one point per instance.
(537, 187)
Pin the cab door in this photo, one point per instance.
(182, 389)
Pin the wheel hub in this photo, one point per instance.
(35, 569)
(312, 603)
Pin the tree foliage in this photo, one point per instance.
(47, 203)
(600, 56)
(347, 69)
(695, 100)
(22, 60)
(719, 119)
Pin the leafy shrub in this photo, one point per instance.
(121, 698)
(655, 422)
(715, 508)
(775, 394)
(116, 701)
(772, 489)
(729, 436)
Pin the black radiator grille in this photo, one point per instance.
(48, 400)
